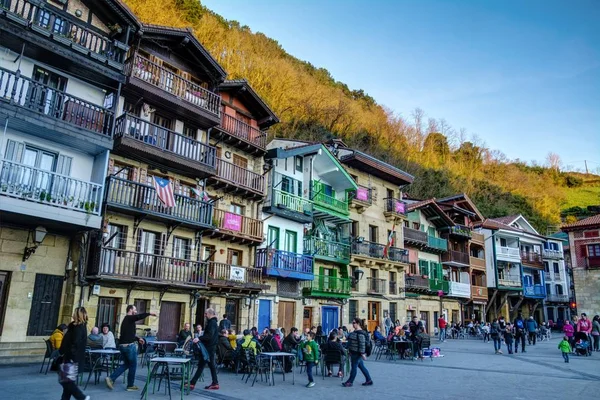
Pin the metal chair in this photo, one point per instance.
(49, 355)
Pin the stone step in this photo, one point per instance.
(21, 352)
(22, 359)
(22, 345)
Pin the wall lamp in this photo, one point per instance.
(357, 276)
(39, 234)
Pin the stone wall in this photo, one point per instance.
(587, 290)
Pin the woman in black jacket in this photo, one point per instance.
(333, 351)
(73, 351)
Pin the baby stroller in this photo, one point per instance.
(583, 345)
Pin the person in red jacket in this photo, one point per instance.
(442, 327)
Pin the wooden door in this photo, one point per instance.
(286, 315)
(169, 322)
(373, 316)
(307, 318)
(4, 282)
(201, 307)
(45, 305)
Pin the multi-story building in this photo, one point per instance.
(307, 249)
(61, 67)
(584, 247)
(556, 305)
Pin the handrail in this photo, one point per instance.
(326, 248)
(285, 260)
(325, 200)
(243, 130)
(228, 272)
(56, 104)
(291, 201)
(437, 243)
(394, 206)
(326, 283)
(240, 176)
(456, 256)
(415, 234)
(238, 225)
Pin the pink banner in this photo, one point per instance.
(399, 207)
(362, 194)
(233, 222)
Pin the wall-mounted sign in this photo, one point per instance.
(237, 274)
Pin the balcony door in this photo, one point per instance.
(291, 241)
(44, 162)
(43, 95)
(159, 137)
(148, 248)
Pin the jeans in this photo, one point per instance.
(71, 389)
(566, 356)
(486, 337)
(211, 364)
(357, 362)
(532, 338)
(520, 337)
(497, 343)
(442, 334)
(129, 358)
(309, 367)
(596, 342)
(509, 347)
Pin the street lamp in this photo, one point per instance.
(39, 234)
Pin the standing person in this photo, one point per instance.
(387, 323)
(596, 332)
(508, 339)
(565, 348)
(531, 327)
(584, 325)
(519, 327)
(225, 323)
(357, 346)
(486, 332)
(184, 334)
(569, 331)
(209, 339)
(310, 351)
(128, 348)
(442, 326)
(73, 350)
(495, 333)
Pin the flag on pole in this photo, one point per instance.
(164, 191)
(390, 241)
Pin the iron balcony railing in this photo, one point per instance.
(456, 257)
(239, 176)
(534, 290)
(238, 225)
(137, 266)
(283, 199)
(283, 260)
(559, 298)
(327, 248)
(164, 139)
(55, 104)
(376, 286)
(394, 206)
(369, 249)
(65, 29)
(416, 282)
(242, 130)
(363, 195)
(234, 273)
(47, 187)
(415, 235)
(325, 284)
(134, 195)
(399, 255)
(169, 81)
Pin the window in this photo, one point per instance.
(556, 269)
(181, 248)
(117, 235)
(149, 242)
(435, 318)
(299, 162)
(142, 306)
(162, 121)
(353, 283)
(352, 310)
(423, 267)
(189, 131)
(131, 108)
(390, 193)
(231, 309)
(546, 266)
(373, 234)
(107, 312)
(291, 240)
(392, 277)
(121, 171)
(393, 311)
(236, 208)
(4, 282)
(354, 231)
(406, 224)
(208, 253)
(240, 161)
(286, 184)
(593, 250)
(548, 286)
(502, 242)
(559, 289)
(416, 226)
(234, 257)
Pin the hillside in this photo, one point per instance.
(312, 105)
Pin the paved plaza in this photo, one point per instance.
(469, 369)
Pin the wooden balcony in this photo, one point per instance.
(508, 252)
(171, 91)
(477, 238)
(394, 209)
(226, 278)
(456, 258)
(326, 204)
(532, 260)
(461, 232)
(477, 263)
(479, 293)
(327, 250)
(236, 228)
(361, 199)
(290, 206)
(141, 200)
(55, 115)
(238, 181)
(240, 135)
(135, 137)
(424, 241)
(133, 267)
(416, 283)
(459, 289)
(376, 286)
(327, 287)
(284, 264)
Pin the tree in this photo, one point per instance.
(553, 161)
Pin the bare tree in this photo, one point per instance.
(553, 161)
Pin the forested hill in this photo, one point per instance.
(313, 105)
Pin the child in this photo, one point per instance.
(508, 338)
(232, 337)
(311, 356)
(565, 348)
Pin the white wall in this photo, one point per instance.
(490, 261)
(283, 224)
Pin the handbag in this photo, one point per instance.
(68, 372)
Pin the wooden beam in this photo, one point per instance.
(516, 307)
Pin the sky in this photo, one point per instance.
(523, 75)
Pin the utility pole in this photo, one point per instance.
(586, 169)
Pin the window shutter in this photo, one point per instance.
(63, 166)
(14, 151)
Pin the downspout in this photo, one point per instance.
(495, 270)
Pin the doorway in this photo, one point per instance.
(373, 316)
(169, 322)
(307, 318)
(232, 307)
(264, 314)
(4, 282)
(107, 312)
(330, 318)
(286, 315)
(45, 305)
(201, 306)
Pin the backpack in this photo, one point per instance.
(368, 345)
(520, 323)
(493, 329)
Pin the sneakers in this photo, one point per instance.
(368, 383)
(499, 351)
(347, 384)
(109, 383)
(212, 386)
(132, 388)
(87, 398)
(340, 374)
(310, 384)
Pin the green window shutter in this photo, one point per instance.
(321, 278)
(431, 231)
(333, 281)
(299, 189)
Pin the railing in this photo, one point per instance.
(327, 284)
(415, 235)
(557, 276)
(459, 289)
(437, 243)
(46, 187)
(531, 258)
(238, 225)
(370, 249)
(291, 202)
(552, 253)
(53, 103)
(363, 195)
(376, 286)
(135, 195)
(509, 251)
(64, 29)
(284, 260)
(436, 285)
(393, 287)
(326, 248)
(456, 256)
(478, 238)
(512, 281)
(244, 131)
(394, 206)
(164, 79)
(150, 267)
(561, 298)
(240, 176)
(416, 282)
(592, 262)
(477, 262)
(399, 255)
(164, 139)
(460, 230)
(320, 198)
(234, 273)
(534, 290)
(479, 291)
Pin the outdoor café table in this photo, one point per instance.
(401, 346)
(283, 355)
(168, 362)
(104, 355)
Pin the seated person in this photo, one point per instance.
(225, 351)
(94, 339)
(232, 337)
(333, 352)
(269, 344)
(108, 339)
(198, 332)
(57, 336)
(291, 341)
(184, 334)
(248, 342)
(377, 334)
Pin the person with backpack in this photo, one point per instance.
(495, 334)
(359, 346)
(532, 327)
(519, 326)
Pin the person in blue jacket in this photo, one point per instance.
(531, 326)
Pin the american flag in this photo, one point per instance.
(164, 191)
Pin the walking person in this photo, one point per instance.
(73, 350)
(311, 355)
(128, 346)
(509, 338)
(209, 339)
(357, 346)
(531, 327)
(569, 332)
(565, 348)
(596, 332)
(519, 328)
(495, 333)
(388, 324)
(442, 327)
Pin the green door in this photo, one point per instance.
(273, 237)
(291, 241)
